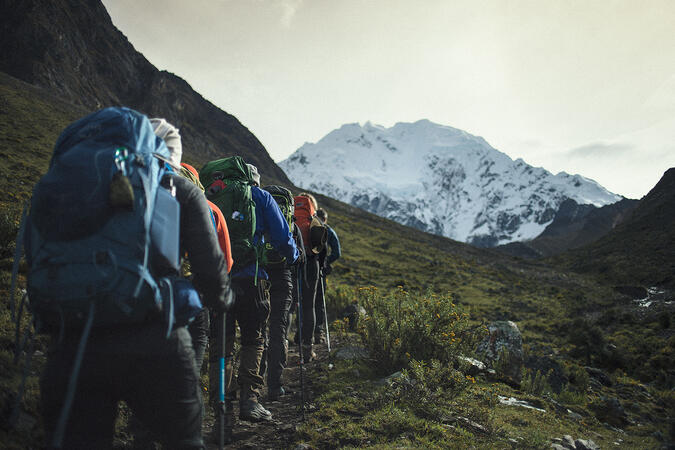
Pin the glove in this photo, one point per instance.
(225, 302)
(327, 270)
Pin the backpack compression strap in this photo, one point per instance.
(144, 273)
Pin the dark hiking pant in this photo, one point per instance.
(155, 376)
(199, 332)
(310, 278)
(281, 298)
(251, 311)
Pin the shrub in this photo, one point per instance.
(428, 387)
(400, 327)
(578, 377)
(535, 383)
(9, 227)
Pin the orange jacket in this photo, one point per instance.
(223, 234)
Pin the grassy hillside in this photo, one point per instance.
(569, 318)
(641, 250)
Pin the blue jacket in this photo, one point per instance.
(270, 222)
(334, 244)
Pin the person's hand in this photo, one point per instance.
(328, 269)
(225, 302)
(300, 259)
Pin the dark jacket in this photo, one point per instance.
(199, 240)
(333, 242)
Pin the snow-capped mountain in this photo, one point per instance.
(438, 179)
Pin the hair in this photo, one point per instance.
(322, 214)
(311, 198)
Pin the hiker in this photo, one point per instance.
(200, 328)
(234, 187)
(305, 210)
(142, 360)
(326, 259)
(281, 298)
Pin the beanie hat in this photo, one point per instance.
(169, 133)
(254, 173)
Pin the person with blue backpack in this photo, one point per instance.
(253, 218)
(108, 223)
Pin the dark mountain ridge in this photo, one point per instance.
(72, 48)
(641, 249)
(573, 226)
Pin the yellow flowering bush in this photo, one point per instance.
(401, 327)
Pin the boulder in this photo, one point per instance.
(502, 349)
(353, 312)
(391, 378)
(610, 410)
(351, 352)
(471, 366)
(583, 444)
(568, 442)
(599, 375)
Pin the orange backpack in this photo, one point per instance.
(312, 229)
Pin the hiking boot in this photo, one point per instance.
(307, 353)
(253, 411)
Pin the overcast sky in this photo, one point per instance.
(582, 86)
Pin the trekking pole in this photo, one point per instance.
(302, 362)
(322, 282)
(220, 336)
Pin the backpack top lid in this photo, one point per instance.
(280, 191)
(71, 199)
(231, 168)
(119, 125)
(284, 199)
(304, 208)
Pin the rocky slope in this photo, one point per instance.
(439, 179)
(72, 48)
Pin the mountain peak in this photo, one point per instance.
(438, 179)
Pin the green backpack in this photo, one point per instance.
(284, 199)
(228, 184)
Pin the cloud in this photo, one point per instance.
(600, 150)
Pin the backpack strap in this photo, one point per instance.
(59, 433)
(144, 273)
(168, 306)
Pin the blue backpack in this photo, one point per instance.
(89, 237)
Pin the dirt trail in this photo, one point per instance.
(286, 412)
